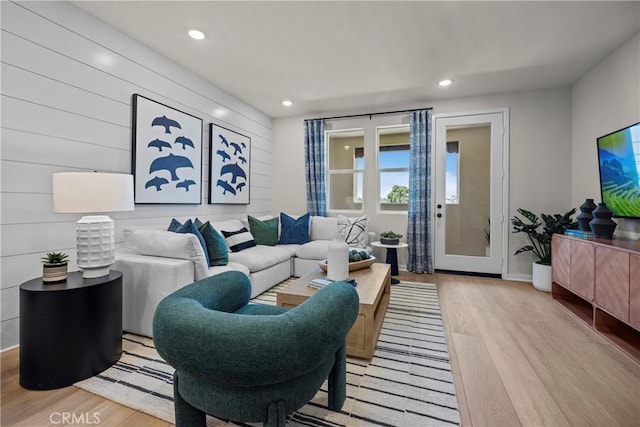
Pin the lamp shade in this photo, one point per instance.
(86, 192)
(93, 192)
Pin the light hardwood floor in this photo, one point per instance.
(519, 359)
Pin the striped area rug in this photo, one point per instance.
(407, 383)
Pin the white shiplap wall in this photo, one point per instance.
(66, 82)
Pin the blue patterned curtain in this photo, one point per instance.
(419, 216)
(315, 167)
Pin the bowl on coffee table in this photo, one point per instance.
(353, 266)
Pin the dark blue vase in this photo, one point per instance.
(602, 226)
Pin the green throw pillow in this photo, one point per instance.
(264, 232)
(216, 245)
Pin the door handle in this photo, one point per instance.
(439, 215)
(439, 206)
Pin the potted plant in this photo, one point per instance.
(54, 267)
(541, 241)
(390, 238)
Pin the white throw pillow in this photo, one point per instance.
(323, 228)
(227, 225)
(354, 230)
(239, 240)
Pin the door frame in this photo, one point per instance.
(505, 178)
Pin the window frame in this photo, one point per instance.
(446, 201)
(379, 170)
(330, 172)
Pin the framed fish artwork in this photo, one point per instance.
(167, 154)
(229, 161)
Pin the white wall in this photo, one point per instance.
(605, 99)
(67, 81)
(540, 159)
(289, 186)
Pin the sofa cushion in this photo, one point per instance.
(259, 257)
(354, 230)
(216, 244)
(264, 232)
(239, 240)
(127, 232)
(290, 248)
(168, 244)
(231, 266)
(294, 231)
(324, 228)
(189, 227)
(315, 249)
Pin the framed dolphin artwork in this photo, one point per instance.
(229, 161)
(167, 154)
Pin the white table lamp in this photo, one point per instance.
(93, 192)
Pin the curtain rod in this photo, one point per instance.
(371, 114)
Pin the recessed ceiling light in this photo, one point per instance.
(195, 34)
(445, 82)
(220, 112)
(287, 103)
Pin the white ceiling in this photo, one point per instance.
(331, 57)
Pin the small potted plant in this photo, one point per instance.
(54, 267)
(390, 238)
(541, 241)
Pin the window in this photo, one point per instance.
(393, 168)
(345, 169)
(452, 166)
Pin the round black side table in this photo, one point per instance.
(392, 257)
(69, 331)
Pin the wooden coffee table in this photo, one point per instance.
(374, 290)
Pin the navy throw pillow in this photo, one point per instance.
(294, 231)
(175, 224)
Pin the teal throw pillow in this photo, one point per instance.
(264, 232)
(198, 223)
(189, 227)
(294, 231)
(216, 245)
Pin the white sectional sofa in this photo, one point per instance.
(156, 262)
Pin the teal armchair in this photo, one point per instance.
(252, 362)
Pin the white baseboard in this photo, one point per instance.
(518, 277)
(9, 348)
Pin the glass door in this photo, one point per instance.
(468, 223)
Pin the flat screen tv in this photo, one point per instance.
(619, 164)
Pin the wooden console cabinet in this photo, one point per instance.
(598, 280)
